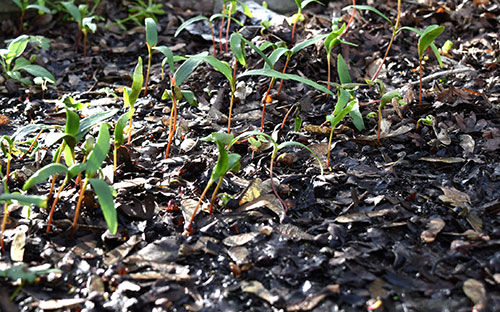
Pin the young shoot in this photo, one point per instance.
(130, 95)
(151, 42)
(299, 17)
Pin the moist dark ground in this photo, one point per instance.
(352, 235)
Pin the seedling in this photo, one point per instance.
(225, 162)
(426, 39)
(331, 41)
(386, 98)
(12, 63)
(231, 9)
(24, 5)
(151, 42)
(91, 167)
(210, 23)
(294, 19)
(22, 199)
(119, 139)
(428, 120)
(395, 29)
(130, 95)
(85, 22)
(140, 11)
(260, 137)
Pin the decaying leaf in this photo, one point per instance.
(256, 288)
(476, 292)
(434, 226)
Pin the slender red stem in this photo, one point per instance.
(51, 214)
(394, 33)
(293, 30)
(227, 28)
(4, 223)
(78, 206)
(213, 38)
(172, 125)
(232, 97)
(32, 144)
(190, 226)
(286, 116)
(284, 70)
(214, 196)
(220, 30)
(351, 19)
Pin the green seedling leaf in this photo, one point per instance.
(74, 170)
(189, 22)
(25, 200)
(151, 32)
(73, 11)
(87, 23)
(130, 95)
(26, 274)
(234, 162)
(39, 71)
(368, 8)
(72, 122)
(95, 119)
(100, 151)
(222, 166)
(304, 44)
(386, 98)
(219, 66)
(342, 70)
(332, 39)
(276, 74)
(246, 9)
(256, 49)
(44, 173)
(17, 47)
(334, 120)
(275, 56)
(432, 45)
(120, 126)
(342, 100)
(40, 8)
(186, 94)
(428, 36)
(169, 57)
(105, 197)
(238, 47)
(188, 67)
(297, 123)
(306, 2)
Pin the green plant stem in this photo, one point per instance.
(420, 88)
(56, 199)
(329, 149)
(233, 89)
(190, 226)
(7, 169)
(328, 64)
(214, 195)
(149, 68)
(288, 57)
(379, 122)
(228, 25)
(221, 29)
(63, 145)
(79, 205)
(85, 43)
(115, 152)
(4, 223)
(271, 166)
(394, 33)
(130, 129)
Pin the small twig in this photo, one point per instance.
(443, 73)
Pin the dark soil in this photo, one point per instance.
(411, 222)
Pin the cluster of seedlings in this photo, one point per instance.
(75, 138)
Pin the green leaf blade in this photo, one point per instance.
(100, 151)
(104, 194)
(43, 174)
(151, 32)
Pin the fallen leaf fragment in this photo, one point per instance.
(256, 288)
(364, 216)
(18, 243)
(240, 239)
(476, 292)
(446, 160)
(312, 301)
(434, 226)
(55, 304)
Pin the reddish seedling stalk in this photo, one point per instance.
(351, 19)
(286, 116)
(228, 25)
(51, 214)
(173, 118)
(394, 33)
(284, 71)
(213, 38)
(232, 98)
(221, 29)
(293, 30)
(78, 206)
(421, 70)
(31, 145)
